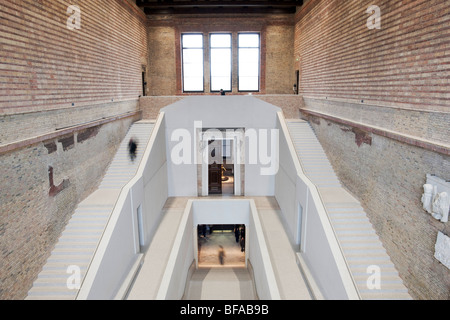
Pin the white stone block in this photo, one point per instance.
(442, 249)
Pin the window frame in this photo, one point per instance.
(239, 60)
(210, 60)
(183, 65)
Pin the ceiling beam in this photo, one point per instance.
(219, 6)
(218, 3)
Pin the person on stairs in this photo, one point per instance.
(132, 149)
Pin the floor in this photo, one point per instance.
(225, 283)
(213, 281)
(208, 247)
(228, 186)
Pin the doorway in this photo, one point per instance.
(144, 81)
(221, 246)
(221, 167)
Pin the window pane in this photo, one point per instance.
(193, 70)
(249, 40)
(192, 41)
(218, 83)
(249, 62)
(193, 83)
(220, 69)
(248, 70)
(220, 41)
(248, 56)
(221, 62)
(193, 56)
(248, 83)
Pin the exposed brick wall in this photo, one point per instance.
(403, 64)
(280, 75)
(277, 36)
(46, 66)
(395, 81)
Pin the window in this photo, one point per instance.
(220, 62)
(249, 61)
(192, 45)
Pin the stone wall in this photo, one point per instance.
(387, 177)
(41, 187)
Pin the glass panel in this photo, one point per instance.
(249, 40)
(193, 83)
(220, 41)
(248, 69)
(192, 41)
(248, 83)
(221, 62)
(218, 83)
(193, 69)
(249, 62)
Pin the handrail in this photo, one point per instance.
(314, 190)
(123, 193)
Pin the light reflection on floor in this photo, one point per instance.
(208, 250)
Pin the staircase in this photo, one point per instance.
(70, 259)
(360, 244)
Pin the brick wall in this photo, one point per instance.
(67, 99)
(277, 36)
(47, 66)
(378, 101)
(403, 64)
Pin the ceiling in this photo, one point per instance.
(218, 6)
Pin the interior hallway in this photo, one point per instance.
(208, 249)
(230, 281)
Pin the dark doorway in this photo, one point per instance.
(215, 178)
(144, 84)
(221, 168)
(297, 75)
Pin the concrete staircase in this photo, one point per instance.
(361, 246)
(70, 259)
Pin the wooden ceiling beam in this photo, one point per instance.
(155, 4)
